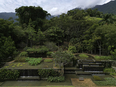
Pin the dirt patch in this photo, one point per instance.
(86, 83)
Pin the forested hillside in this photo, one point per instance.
(88, 31)
(107, 8)
(8, 15)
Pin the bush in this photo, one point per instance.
(51, 46)
(8, 74)
(56, 79)
(34, 61)
(49, 54)
(83, 56)
(47, 72)
(23, 54)
(20, 59)
(110, 70)
(72, 49)
(47, 60)
(97, 78)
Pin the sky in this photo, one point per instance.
(54, 7)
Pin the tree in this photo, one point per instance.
(55, 34)
(62, 57)
(7, 48)
(36, 14)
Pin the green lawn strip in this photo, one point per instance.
(103, 57)
(107, 82)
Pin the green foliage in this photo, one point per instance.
(41, 49)
(8, 74)
(7, 48)
(55, 34)
(34, 61)
(56, 79)
(49, 54)
(25, 13)
(51, 46)
(62, 56)
(108, 82)
(103, 57)
(48, 60)
(47, 72)
(97, 78)
(83, 56)
(110, 70)
(23, 54)
(20, 59)
(72, 49)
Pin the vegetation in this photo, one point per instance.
(72, 49)
(34, 61)
(84, 31)
(83, 56)
(48, 60)
(23, 54)
(20, 59)
(97, 78)
(107, 82)
(62, 57)
(110, 70)
(103, 57)
(47, 72)
(6, 74)
(56, 79)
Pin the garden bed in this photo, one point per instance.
(25, 65)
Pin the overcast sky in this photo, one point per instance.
(54, 7)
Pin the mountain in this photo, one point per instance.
(5, 15)
(107, 8)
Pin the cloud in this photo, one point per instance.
(54, 7)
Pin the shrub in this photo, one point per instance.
(8, 74)
(23, 54)
(97, 78)
(83, 56)
(51, 46)
(56, 79)
(20, 59)
(34, 61)
(49, 54)
(72, 49)
(47, 60)
(110, 70)
(47, 72)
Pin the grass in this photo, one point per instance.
(83, 56)
(108, 82)
(48, 60)
(103, 57)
